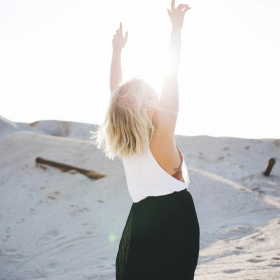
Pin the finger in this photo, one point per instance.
(169, 12)
(121, 28)
(126, 35)
(186, 10)
(173, 5)
(181, 6)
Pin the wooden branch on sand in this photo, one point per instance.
(65, 167)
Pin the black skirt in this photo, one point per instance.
(160, 240)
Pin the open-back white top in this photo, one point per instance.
(145, 177)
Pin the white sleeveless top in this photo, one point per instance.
(145, 177)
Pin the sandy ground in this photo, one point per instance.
(63, 225)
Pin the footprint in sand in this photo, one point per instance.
(52, 266)
(38, 274)
(79, 211)
(261, 239)
(54, 195)
(13, 254)
(10, 251)
(232, 271)
(275, 265)
(21, 220)
(255, 260)
(50, 236)
(220, 158)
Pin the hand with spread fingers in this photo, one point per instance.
(177, 15)
(119, 41)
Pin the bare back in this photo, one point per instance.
(165, 153)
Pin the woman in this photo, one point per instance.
(160, 240)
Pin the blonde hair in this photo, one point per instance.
(127, 128)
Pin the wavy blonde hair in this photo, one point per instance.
(127, 128)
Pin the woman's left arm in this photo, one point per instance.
(118, 44)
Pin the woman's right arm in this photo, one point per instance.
(170, 96)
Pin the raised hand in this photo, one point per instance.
(119, 41)
(177, 15)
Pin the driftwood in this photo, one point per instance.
(269, 166)
(65, 167)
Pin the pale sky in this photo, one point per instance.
(55, 59)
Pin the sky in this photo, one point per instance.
(55, 59)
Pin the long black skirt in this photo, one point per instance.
(160, 240)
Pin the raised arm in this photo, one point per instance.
(118, 44)
(170, 94)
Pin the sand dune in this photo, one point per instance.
(63, 225)
(74, 130)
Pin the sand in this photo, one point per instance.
(64, 225)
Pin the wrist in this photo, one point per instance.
(176, 29)
(117, 50)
